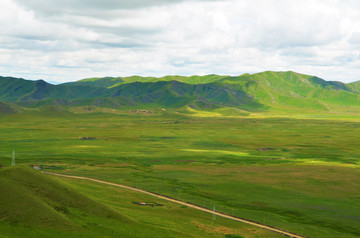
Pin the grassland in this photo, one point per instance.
(38, 205)
(298, 174)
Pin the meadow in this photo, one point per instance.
(38, 205)
(298, 174)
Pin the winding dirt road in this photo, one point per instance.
(286, 233)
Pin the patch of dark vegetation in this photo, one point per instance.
(167, 137)
(150, 204)
(281, 158)
(144, 112)
(96, 164)
(265, 149)
(88, 138)
(185, 161)
(62, 209)
(53, 167)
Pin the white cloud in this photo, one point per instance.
(68, 40)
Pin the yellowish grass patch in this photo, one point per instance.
(86, 146)
(226, 152)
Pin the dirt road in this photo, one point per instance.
(286, 233)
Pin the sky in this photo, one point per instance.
(67, 40)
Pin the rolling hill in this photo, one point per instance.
(30, 199)
(278, 89)
(33, 204)
(108, 82)
(266, 91)
(21, 90)
(355, 86)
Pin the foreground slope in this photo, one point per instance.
(29, 199)
(37, 205)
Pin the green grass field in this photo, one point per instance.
(37, 205)
(300, 174)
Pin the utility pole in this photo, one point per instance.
(13, 158)
(214, 216)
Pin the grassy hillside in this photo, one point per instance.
(12, 89)
(97, 82)
(38, 205)
(6, 108)
(30, 199)
(162, 94)
(176, 94)
(108, 82)
(283, 92)
(20, 90)
(355, 86)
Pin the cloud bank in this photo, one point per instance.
(65, 40)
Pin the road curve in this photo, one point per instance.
(286, 233)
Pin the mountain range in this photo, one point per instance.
(263, 91)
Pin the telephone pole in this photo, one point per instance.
(214, 216)
(13, 158)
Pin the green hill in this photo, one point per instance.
(178, 94)
(355, 86)
(33, 204)
(108, 82)
(31, 199)
(266, 91)
(169, 94)
(281, 90)
(97, 82)
(21, 90)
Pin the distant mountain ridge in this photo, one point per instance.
(108, 82)
(252, 92)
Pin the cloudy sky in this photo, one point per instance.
(67, 40)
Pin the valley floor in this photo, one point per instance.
(301, 175)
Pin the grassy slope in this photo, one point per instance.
(283, 92)
(308, 182)
(6, 108)
(355, 86)
(30, 199)
(163, 94)
(289, 90)
(15, 89)
(177, 94)
(37, 205)
(11, 89)
(109, 82)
